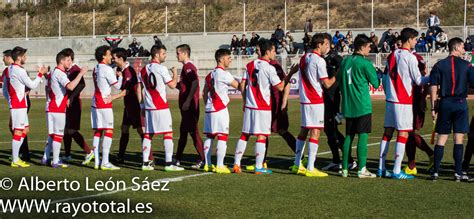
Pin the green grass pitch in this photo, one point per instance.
(282, 194)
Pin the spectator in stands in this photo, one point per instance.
(307, 42)
(142, 52)
(157, 41)
(279, 33)
(113, 41)
(336, 38)
(253, 42)
(468, 45)
(388, 37)
(433, 23)
(290, 41)
(442, 42)
(374, 39)
(350, 40)
(430, 41)
(275, 40)
(344, 48)
(374, 48)
(308, 26)
(284, 49)
(421, 43)
(385, 47)
(133, 48)
(234, 45)
(244, 44)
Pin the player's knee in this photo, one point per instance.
(148, 136)
(261, 138)
(244, 137)
(222, 137)
(58, 138)
(168, 136)
(97, 133)
(387, 137)
(211, 136)
(125, 129)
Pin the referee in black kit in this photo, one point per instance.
(450, 78)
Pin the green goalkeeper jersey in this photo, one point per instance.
(353, 78)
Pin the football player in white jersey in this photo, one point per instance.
(56, 104)
(15, 83)
(154, 78)
(401, 73)
(102, 115)
(313, 76)
(216, 120)
(256, 85)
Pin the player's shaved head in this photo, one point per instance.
(156, 49)
(185, 49)
(221, 53)
(18, 52)
(454, 43)
(7, 53)
(69, 52)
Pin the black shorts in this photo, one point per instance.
(359, 125)
(131, 117)
(453, 114)
(73, 115)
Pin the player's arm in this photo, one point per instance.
(28, 82)
(372, 75)
(286, 94)
(73, 84)
(174, 81)
(415, 72)
(204, 94)
(294, 68)
(139, 92)
(434, 81)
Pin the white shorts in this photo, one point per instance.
(217, 122)
(312, 115)
(56, 123)
(398, 116)
(257, 122)
(102, 118)
(19, 118)
(158, 121)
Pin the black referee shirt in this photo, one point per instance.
(452, 74)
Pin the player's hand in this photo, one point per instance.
(119, 74)
(186, 106)
(68, 103)
(108, 99)
(43, 69)
(294, 68)
(283, 106)
(83, 70)
(434, 114)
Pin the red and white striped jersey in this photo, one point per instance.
(217, 83)
(260, 76)
(312, 72)
(56, 101)
(16, 80)
(154, 77)
(402, 71)
(104, 78)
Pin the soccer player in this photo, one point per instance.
(332, 102)
(102, 115)
(131, 112)
(401, 73)
(313, 75)
(216, 99)
(15, 83)
(56, 104)
(73, 114)
(451, 77)
(154, 78)
(256, 85)
(189, 105)
(356, 74)
(415, 140)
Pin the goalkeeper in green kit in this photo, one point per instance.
(354, 76)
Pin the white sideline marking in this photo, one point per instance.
(176, 179)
